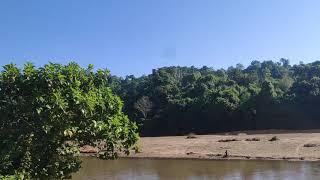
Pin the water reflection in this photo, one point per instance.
(143, 169)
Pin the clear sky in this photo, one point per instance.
(136, 36)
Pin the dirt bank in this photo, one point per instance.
(289, 146)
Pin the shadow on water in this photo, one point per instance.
(146, 169)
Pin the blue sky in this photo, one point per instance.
(136, 36)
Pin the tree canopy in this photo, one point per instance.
(203, 100)
(47, 113)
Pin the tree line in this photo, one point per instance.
(264, 95)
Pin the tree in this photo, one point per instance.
(285, 62)
(47, 113)
(144, 106)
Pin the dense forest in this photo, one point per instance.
(264, 95)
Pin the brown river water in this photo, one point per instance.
(150, 169)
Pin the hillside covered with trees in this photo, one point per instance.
(264, 95)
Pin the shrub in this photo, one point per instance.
(227, 140)
(274, 138)
(310, 145)
(43, 108)
(191, 136)
(253, 139)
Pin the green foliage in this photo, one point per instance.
(203, 100)
(47, 113)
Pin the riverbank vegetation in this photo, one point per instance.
(47, 113)
(265, 95)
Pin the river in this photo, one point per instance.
(146, 169)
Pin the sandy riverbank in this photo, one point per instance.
(290, 146)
